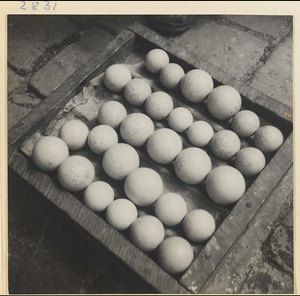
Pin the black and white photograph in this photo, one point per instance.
(150, 153)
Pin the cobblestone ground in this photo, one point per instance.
(45, 50)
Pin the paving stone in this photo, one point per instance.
(14, 81)
(267, 24)
(26, 100)
(83, 20)
(29, 37)
(267, 280)
(15, 113)
(279, 246)
(116, 23)
(275, 78)
(69, 60)
(228, 48)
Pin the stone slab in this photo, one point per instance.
(15, 113)
(116, 23)
(83, 20)
(232, 50)
(69, 60)
(14, 81)
(26, 100)
(279, 246)
(275, 78)
(29, 37)
(272, 25)
(265, 279)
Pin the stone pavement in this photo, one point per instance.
(42, 52)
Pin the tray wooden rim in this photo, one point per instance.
(127, 39)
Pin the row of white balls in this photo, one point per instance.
(223, 102)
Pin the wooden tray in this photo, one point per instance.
(129, 47)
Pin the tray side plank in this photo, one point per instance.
(50, 106)
(238, 220)
(110, 238)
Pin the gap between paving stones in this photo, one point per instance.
(244, 282)
(45, 57)
(70, 59)
(22, 88)
(37, 83)
(273, 42)
(42, 60)
(28, 92)
(24, 97)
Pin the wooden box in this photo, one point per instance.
(129, 47)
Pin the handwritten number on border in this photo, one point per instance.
(47, 6)
(34, 5)
(23, 6)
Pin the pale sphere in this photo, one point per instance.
(74, 133)
(136, 91)
(180, 119)
(175, 254)
(170, 208)
(146, 233)
(223, 102)
(119, 160)
(164, 145)
(192, 165)
(112, 113)
(143, 186)
(101, 137)
(98, 195)
(268, 139)
(195, 85)
(249, 161)
(116, 76)
(225, 144)
(159, 105)
(136, 128)
(75, 173)
(156, 59)
(171, 75)
(121, 213)
(198, 225)
(225, 185)
(49, 152)
(200, 133)
(245, 123)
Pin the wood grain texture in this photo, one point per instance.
(49, 107)
(106, 235)
(238, 220)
